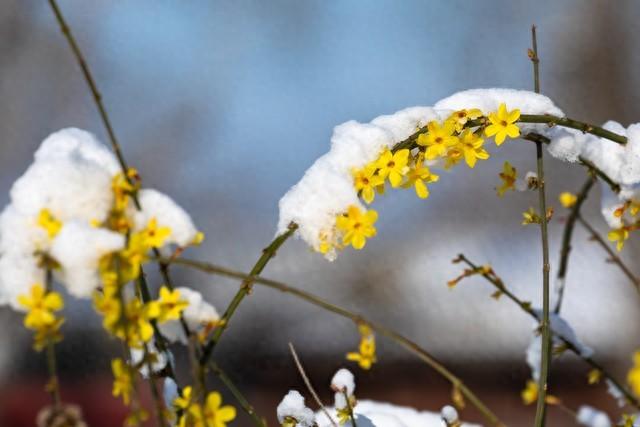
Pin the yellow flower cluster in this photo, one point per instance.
(209, 414)
(366, 354)
(457, 137)
(620, 235)
(41, 315)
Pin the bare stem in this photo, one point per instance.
(526, 307)
(613, 257)
(244, 403)
(394, 336)
(349, 408)
(566, 238)
(307, 383)
(53, 386)
(245, 288)
(157, 400)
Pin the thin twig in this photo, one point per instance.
(244, 403)
(613, 257)
(566, 238)
(394, 336)
(53, 385)
(245, 288)
(542, 202)
(526, 307)
(307, 383)
(349, 408)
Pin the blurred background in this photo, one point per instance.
(224, 105)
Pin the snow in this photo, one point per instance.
(591, 417)
(292, 405)
(197, 315)
(342, 381)
(449, 414)
(159, 359)
(563, 329)
(157, 205)
(71, 178)
(78, 248)
(326, 189)
(381, 414)
(169, 392)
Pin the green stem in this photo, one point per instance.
(394, 336)
(160, 418)
(52, 366)
(349, 408)
(244, 403)
(526, 307)
(566, 238)
(245, 288)
(613, 257)
(546, 335)
(533, 55)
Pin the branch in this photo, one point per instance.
(613, 257)
(394, 336)
(526, 307)
(566, 238)
(307, 382)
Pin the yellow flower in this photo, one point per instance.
(594, 375)
(366, 180)
(530, 216)
(48, 334)
(419, 176)
(184, 401)
(215, 415)
(461, 117)
(122, 380)
(567, 199)
(393, 166)
(138, 328)
(49, 222)
(357, 226)
(619, 235)
(366, 355)
(154, 236)
(107, 303)
(123, 188)
(508, 177)
(471, 146)
(438, 139)
(502, 124)
(530, 393)
(628, 420)
(170, 304)
(40, 306)
(633, 377)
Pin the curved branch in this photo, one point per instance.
(399, 339)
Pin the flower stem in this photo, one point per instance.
(244, 403)
(613, 257)
(245, 288)
(53, 386)
(566, 238)
(394, 336)
(526, 307)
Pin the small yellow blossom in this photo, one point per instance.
(530, 216)
(619, 235)
(124, 187)
(357, 226)
(137, 328)
(48, 334)
(567, 199)
(461, 117)
(393, 166)
(438, 139)
(628, 420)
(503, 124)
(633, 377)
(457, 397)
(366, 355)
(471, 146)
(171, 304)
(530, 393)
(185, 399)
(594, 376)
(216, 415)
(49, 222)
(41, 306)
(108, 304)
(508, 177)
(419, 176)
(154, 236)
(122, 380)
(198, 239)
(366, 180)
